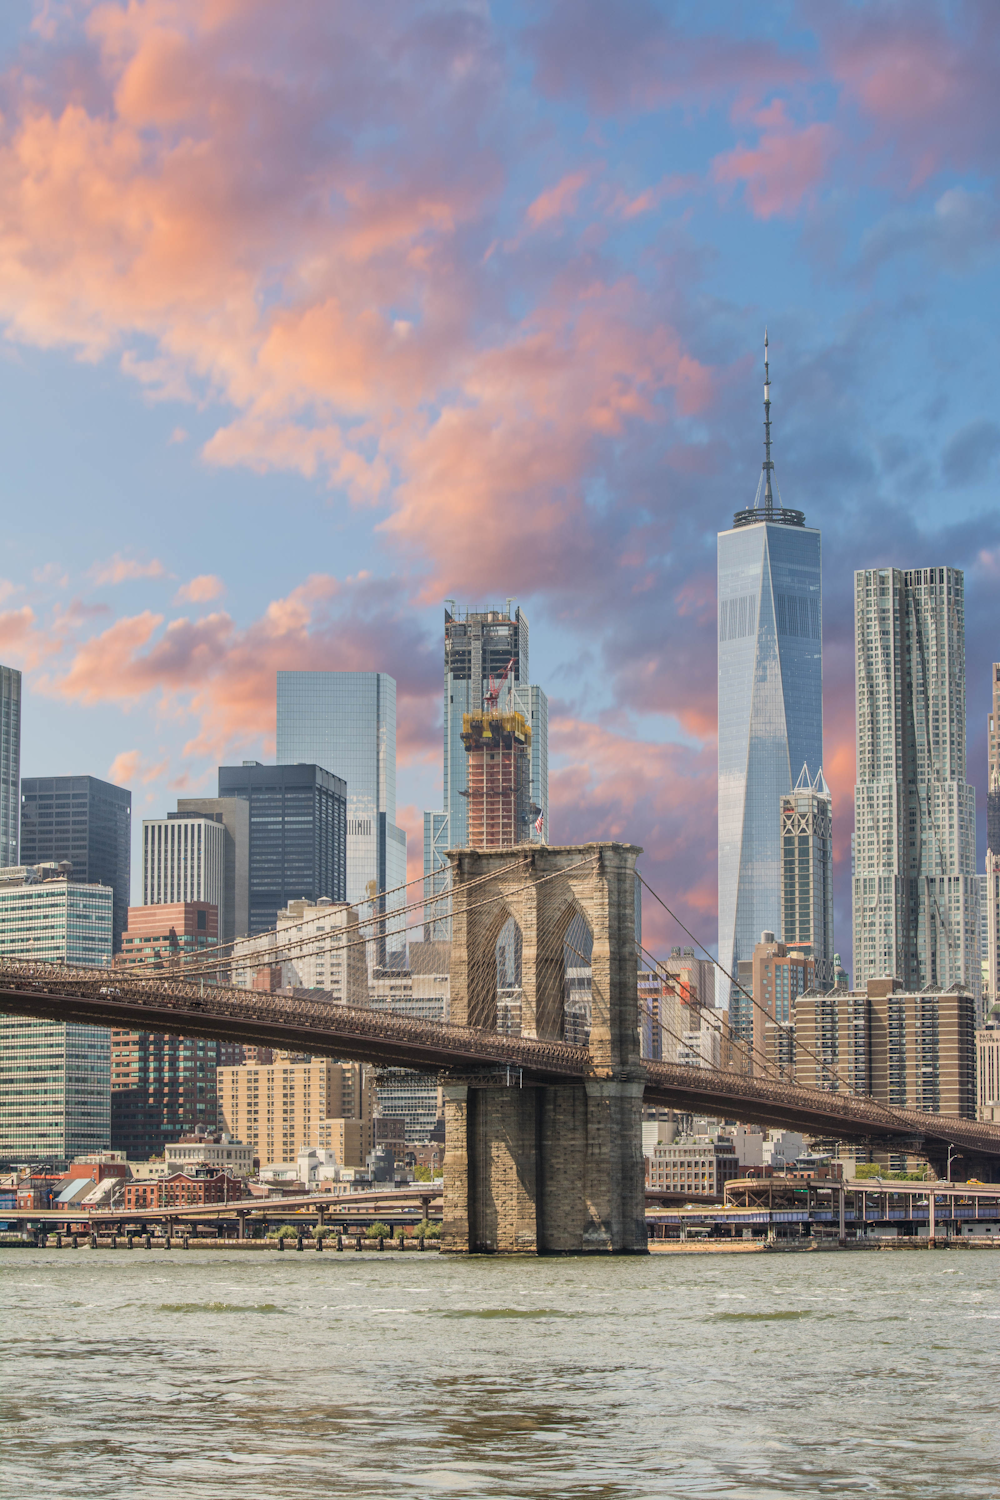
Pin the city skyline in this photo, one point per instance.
(550, 404)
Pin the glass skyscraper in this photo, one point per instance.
(86, 821)
(346, 722)
(915, 891)
(55, 1077)
(298, 817)
(770, 621)
(10, 763)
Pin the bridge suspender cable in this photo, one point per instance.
(825, 1066)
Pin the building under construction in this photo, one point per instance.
(498, 749)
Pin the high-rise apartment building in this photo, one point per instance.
(87, 822)
(183, 860)
(234, 815)
(915, 893)
(55, 1077)
(990, 907)
(993, 766)
(316, 945)
(298, 835)
(910, 1050)
(807, 875)
(780, 976)
(498, 772)
(278, 1109)
(770, 622)
(10, 764)
(346, 723)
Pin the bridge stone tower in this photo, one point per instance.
(546, 1169)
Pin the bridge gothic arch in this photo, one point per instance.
(547, 1168)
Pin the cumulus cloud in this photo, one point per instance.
(120, 569)
(787, 166)
(200, 590)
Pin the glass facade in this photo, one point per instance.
(86, 821)
(346, 722)
(915, 891)
(770, 624)
(55, 1077)
(10, 763)
(298, 835)
(807, 876)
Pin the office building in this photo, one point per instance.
(277, 1109)
(807, 876)
(780, 975)
(234, 815)
(421, 991)
(169, 934)
(55, 1077)
(915, 893)
(485, 664)
(532, 703)
(162, 1088)
(183, 860)
(10, 764)
(699, 1167)
(993, 765)
(988, 1073)
(87, 822)
(770, 711)
(297, 835)
(415, 1098)
(346, 723)
(316, 945)
(208, 1148)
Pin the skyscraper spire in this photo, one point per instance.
(768, 465)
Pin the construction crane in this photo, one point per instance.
(491, 698)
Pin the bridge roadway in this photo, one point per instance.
(306, 1022)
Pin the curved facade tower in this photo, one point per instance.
(770, 624)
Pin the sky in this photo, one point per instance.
(318, 314)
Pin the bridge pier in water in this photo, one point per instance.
(542, 1167)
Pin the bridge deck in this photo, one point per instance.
(304, 1021)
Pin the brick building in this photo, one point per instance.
(190, 1189)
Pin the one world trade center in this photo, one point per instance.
(770, 621)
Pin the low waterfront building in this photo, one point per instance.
(696, 1167)
(191, 1189)
(212, 1149)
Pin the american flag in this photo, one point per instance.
(538, 822)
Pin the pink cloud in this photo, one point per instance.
(923, 81)
(120, 569)
(786, 167)
(558, 201)
(200, 590)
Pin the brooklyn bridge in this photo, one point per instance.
(544, 1147)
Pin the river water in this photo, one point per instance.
(206, 1374)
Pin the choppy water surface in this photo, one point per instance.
(210, 1374)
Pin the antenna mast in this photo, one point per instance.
(768, 465)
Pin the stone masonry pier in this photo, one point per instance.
(553, 1168)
